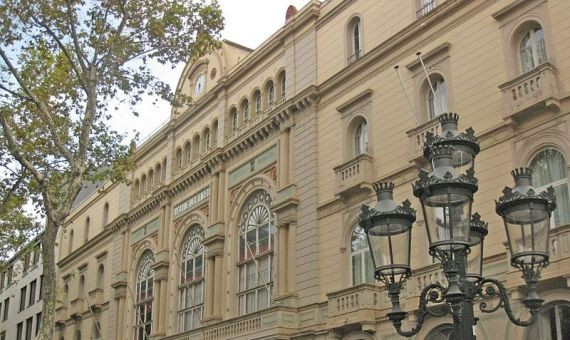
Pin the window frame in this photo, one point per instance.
(535, 48)
(189, 253)
(360, 253)
(144, 277)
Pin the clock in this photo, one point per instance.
(200, 84)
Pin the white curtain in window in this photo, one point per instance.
(527, 61)
(549, 168)
(361, 139)
(440, 88)
(532, 50)
(362, 265)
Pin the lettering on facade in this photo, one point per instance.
(188, 204)
(268, 157)
(145, 230)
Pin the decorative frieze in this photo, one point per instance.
(186, 206)
(260, 162)
(145, 230)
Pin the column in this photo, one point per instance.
(210, 281)
(284, 159)
(119, 331)
(214, 198)
(291, 259)
(156, 307)
(221, 191)
(162, 307)
(218, 285)
(282, 260)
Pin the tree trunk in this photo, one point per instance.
(49, 280)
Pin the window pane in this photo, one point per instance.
(242, 251)
(540, 47)
(356, 269)
(251, 276)
(264, 270)
(242, 277)
(199, 293)
(262, 298)
(359, 240)
(264, 238)
(199, 266)
(368, 268)
(564, 314)
(250, 302)
(527, 62)
(251, 243)
(562, 211)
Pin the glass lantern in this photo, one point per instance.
(474, 267)
(388, 229)
(526, 215)
(446, 197)
(465, 144)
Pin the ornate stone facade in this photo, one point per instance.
(310, 120)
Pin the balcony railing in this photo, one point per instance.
(355, 174)
(531, 91)
(426, 8)
(77, 307)
(417, 136)
(96, 298)
(223, 330)
(253, 121)
(425, 276)
(61, 314)
(358, 304)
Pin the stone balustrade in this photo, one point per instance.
(417, 136)
(354, 174)
(358, 304)
(531, 92)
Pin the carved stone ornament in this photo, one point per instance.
(272, 173)
(450, 135)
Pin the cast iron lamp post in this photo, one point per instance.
(456, 235)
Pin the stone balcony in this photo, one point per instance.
(359, 304)
(96, 298)
(425, 276)
(354, 175)
(531, 92)
(417, 137)
(61, 314)
(77, 308)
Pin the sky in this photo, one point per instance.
(247, 22)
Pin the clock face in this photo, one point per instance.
(200, 84)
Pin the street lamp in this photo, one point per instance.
(456, 236)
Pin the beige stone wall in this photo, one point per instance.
(311, 176)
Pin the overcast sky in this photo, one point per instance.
(247, 22)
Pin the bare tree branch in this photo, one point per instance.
(15, 94)
(80, 55)
(14, 187)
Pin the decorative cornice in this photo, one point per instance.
(443, 48)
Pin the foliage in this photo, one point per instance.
(61, 63)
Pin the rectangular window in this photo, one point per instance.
(32, 298)
(41, 287)
(38, 323)
(29, 328)
(6, 309)
(37, 255)
(19, 331)
(23, 298)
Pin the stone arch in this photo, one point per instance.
(552, 138)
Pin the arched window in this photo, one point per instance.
(65, 294)
(81, 287)
(191, 289)
(106, 214)
(178, 159)
(150, 180)
(257, 98)
(436, 100)
(70, 245)
(245, 111)
(215, 133)
(86, 230)
(143, 185)
(78, 335)
(144, 297)
(101, 276)
(158, 173)
(96, 330)
(282, 84)
(270, 94)
(362, 266)
(207, 140)
(256, 253)
(532, 49)
(188, 152)
(550, 169)
(234, 119)
(354, 39)
(442, 332)
(136, 190)
(553, 323)
(197, 147)
(361, 138)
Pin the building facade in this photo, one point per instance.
(21, 294)
(239, 221)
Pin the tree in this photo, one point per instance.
(61, 63)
